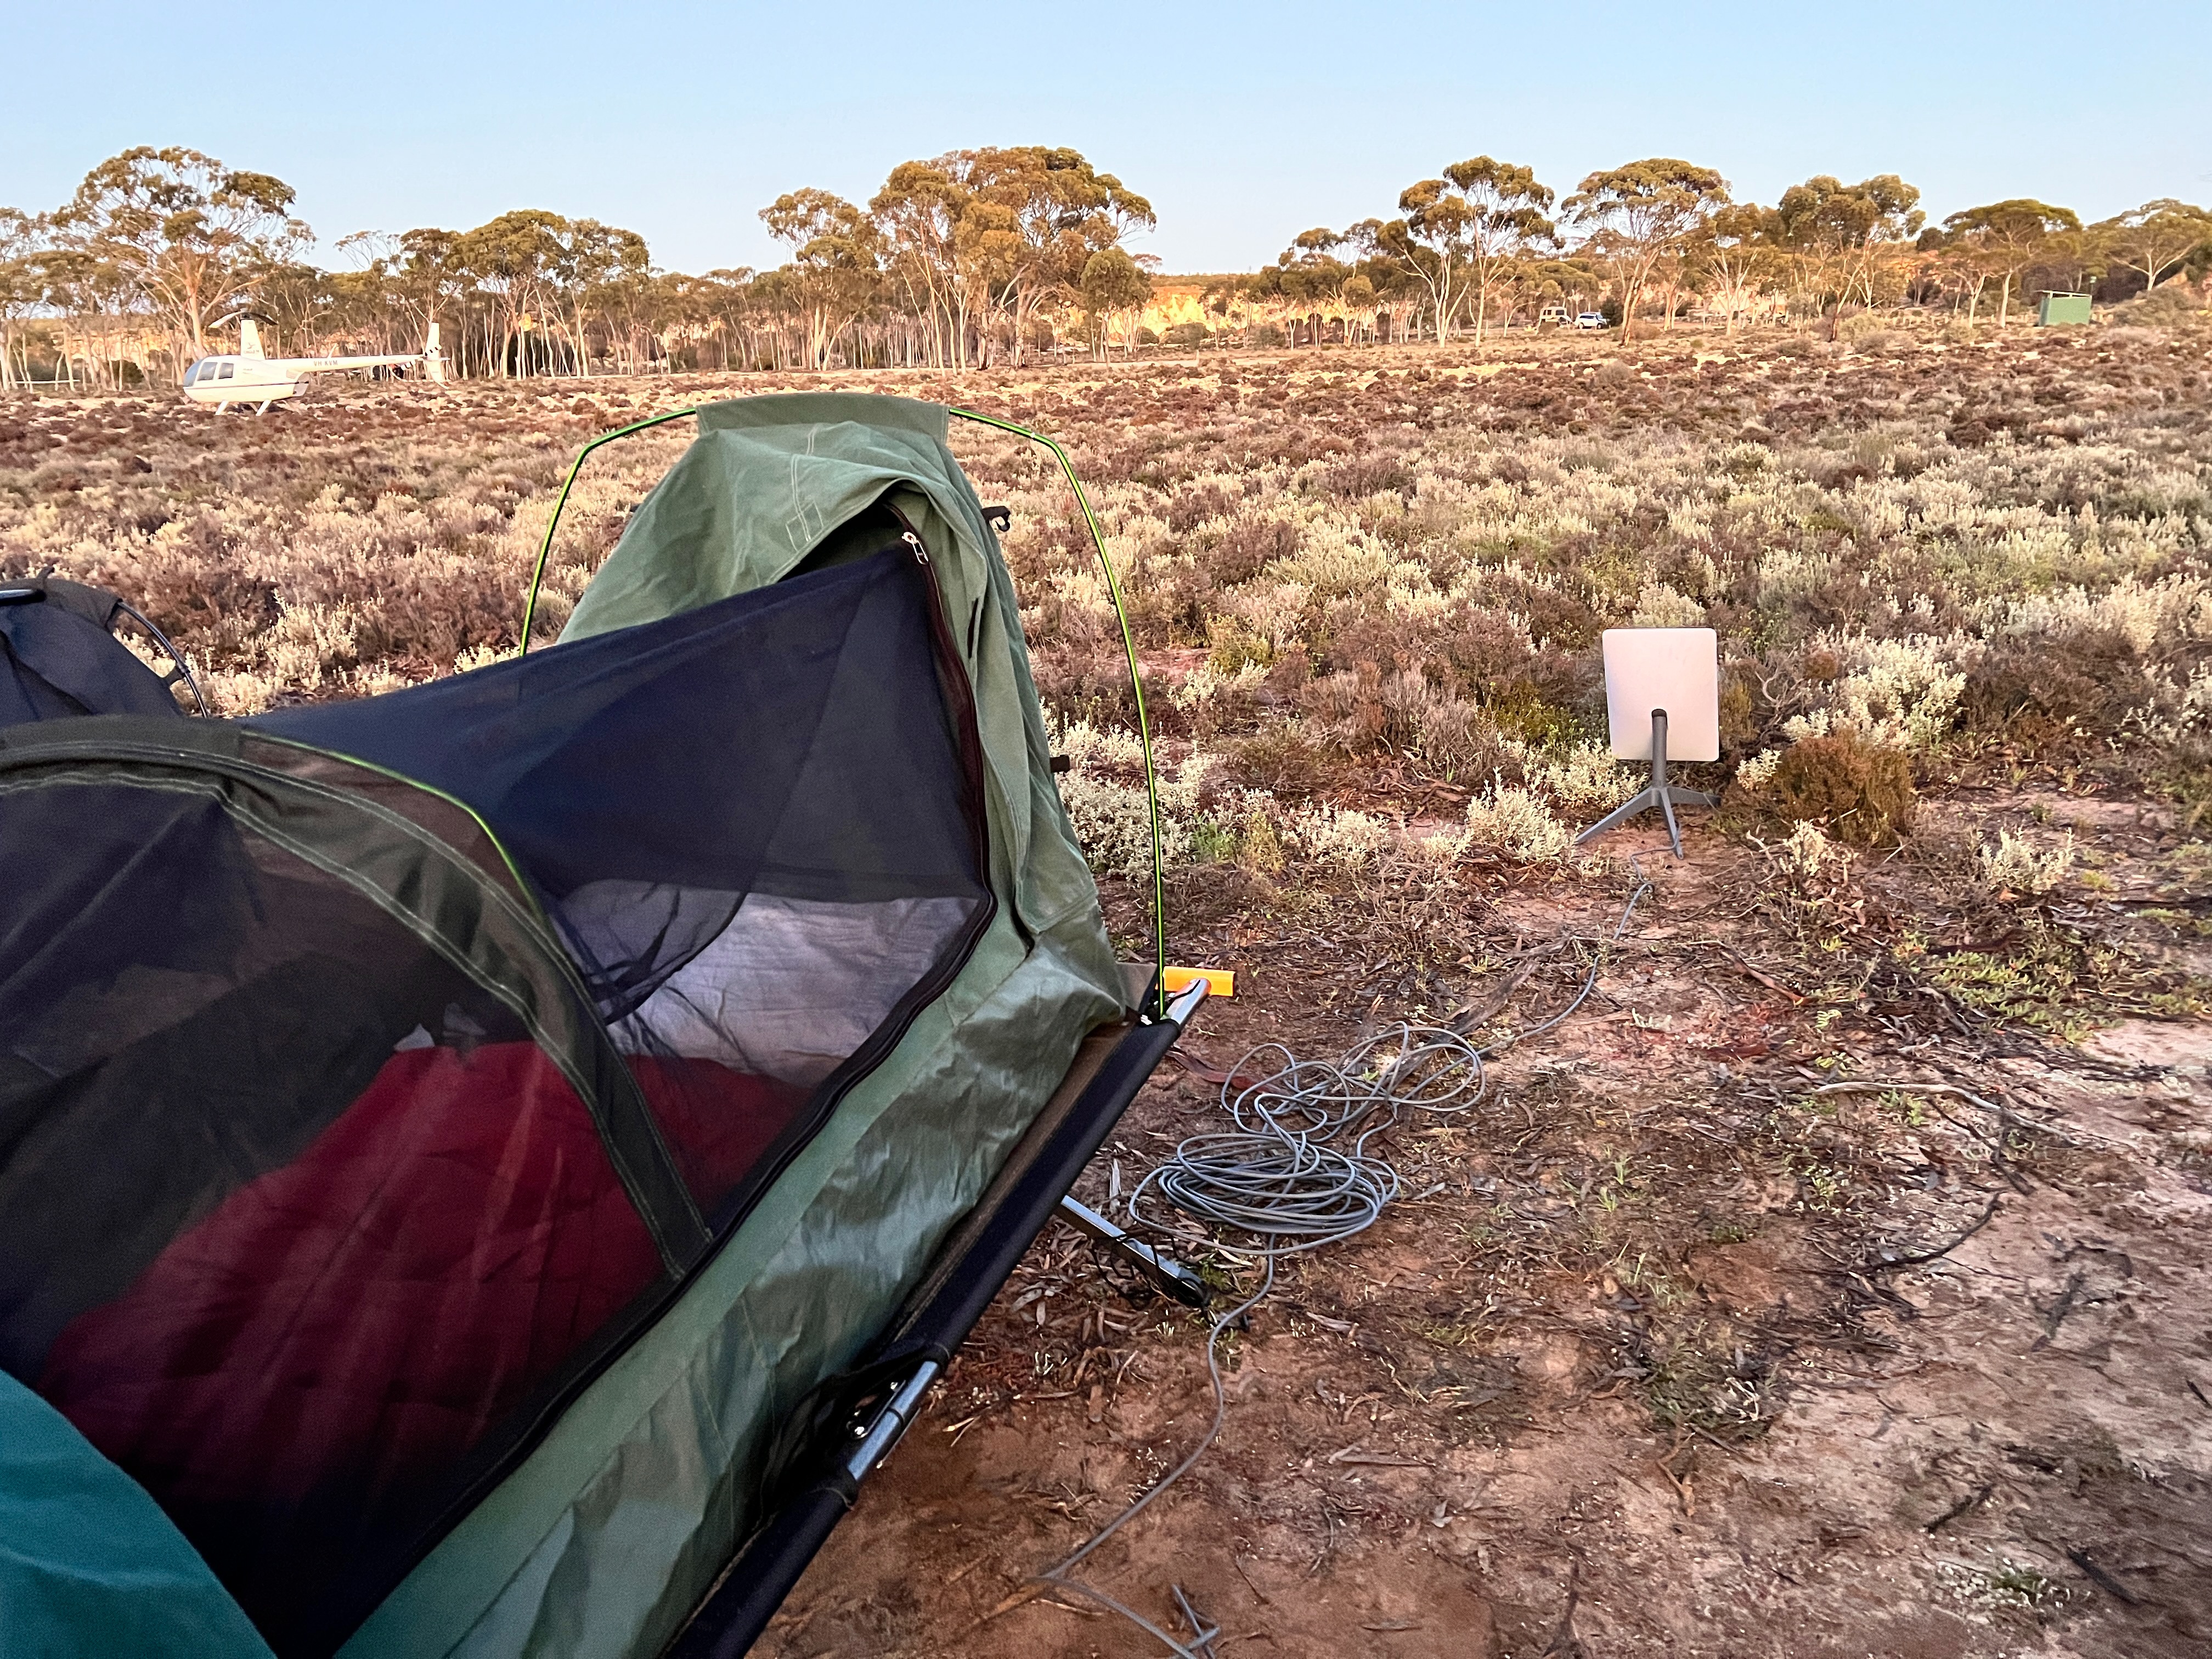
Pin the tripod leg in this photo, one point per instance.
(1165, 1273)
(1674, 829)
(1619, 816)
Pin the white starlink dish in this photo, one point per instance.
(1676, 669)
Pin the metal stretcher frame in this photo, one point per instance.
(971, 1267)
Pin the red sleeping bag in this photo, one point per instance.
(375, 1306)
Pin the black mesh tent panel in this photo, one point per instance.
(753, 823)
(316, 1195)
(277, 1251)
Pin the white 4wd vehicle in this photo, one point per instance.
(1592, 320)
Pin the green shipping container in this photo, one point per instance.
(2062, 309)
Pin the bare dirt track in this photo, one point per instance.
(1832, 1284)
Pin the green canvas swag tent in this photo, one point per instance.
(473, 1159)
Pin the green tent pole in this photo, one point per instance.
(545, 547)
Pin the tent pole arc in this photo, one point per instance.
(545, 547)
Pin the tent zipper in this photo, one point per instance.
(965, 726)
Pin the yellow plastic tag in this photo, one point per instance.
(1219, 982)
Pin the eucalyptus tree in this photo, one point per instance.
(516, 260)
(1640, 213)
(301, 302)
(2156, 239)
(1434, 243)
(1843, 236)
(1305, 285)
(720, 305)
(428, 283)
(919, 211)
(102, 317)
(2004, 239)
(1064, 213)
(1376, 250)
(779, 304)
(1507, 223)
(835, 261)
(953, 230)
(608, 273)
(1360, 301)
(1113, 284)
(191, 236)
(22, 289)
(1738, 254)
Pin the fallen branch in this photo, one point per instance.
(2004, 1114)
(1681, 1483)
(1471, 1018)
(1765, 979)
(1920, 1257)
(2103, 1580)
(1026, 1594)
(1972, 1500)
(1353, 1455)
(1871, 1087)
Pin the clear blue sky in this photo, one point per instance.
(1244, 124)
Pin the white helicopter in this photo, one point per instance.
(249, 377)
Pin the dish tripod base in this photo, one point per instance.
(1658, 792)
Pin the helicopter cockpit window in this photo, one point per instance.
(227, 370)
(192, 374)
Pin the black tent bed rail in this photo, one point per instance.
(848, 1425)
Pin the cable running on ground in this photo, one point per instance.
(1278, 1179)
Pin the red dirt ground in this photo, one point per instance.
(1641, 1371)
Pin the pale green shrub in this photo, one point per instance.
(479, 656)
(1661, 606)
(1894, 693)
(1204, 685)
(2145, 617)
(1806, 851)
(1113, 825)
(1337, 559)
(1517, 823)
(2013, 865)
(1334, 840)
(1586, 779)
(1275, 611)
(1103, 790)
(313, 643)
(1755, 773)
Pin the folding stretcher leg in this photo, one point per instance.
(1170, 1275)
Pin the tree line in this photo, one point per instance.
(976, 257)
(991, 255)
(1487, 243)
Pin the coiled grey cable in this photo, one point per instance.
(1277, 1178)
